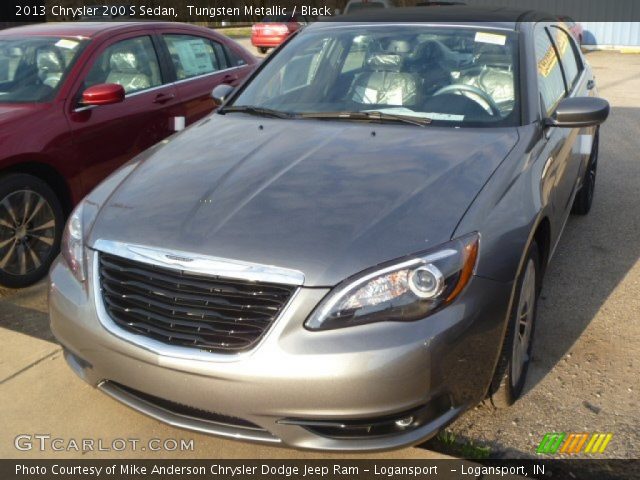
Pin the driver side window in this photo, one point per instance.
(131, 63)
(550, 76)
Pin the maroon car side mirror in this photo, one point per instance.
(103, 94)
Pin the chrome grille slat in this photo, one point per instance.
(186, 309)
(212, 285)
(184, 297)
(179, 309)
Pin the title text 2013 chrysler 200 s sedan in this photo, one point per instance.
(347, 255)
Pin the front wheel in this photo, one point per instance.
(31, 222)
(510, 375)
(263, 50)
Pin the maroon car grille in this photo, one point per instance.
(186, 309)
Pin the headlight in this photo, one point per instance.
(406, 290)
(73, 243)
(78, 224)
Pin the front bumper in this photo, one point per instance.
(295, 379)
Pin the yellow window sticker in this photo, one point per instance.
(546, 63)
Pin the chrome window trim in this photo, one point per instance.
(217, 72)
(164, 85)
(162, 349)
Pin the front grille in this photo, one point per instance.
(186, 309)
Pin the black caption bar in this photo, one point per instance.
(235, 11)
(317, 469)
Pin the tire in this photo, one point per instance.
(584, 198)
(31, 224)
(511, 372)
(263, 50)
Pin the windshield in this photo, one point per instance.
(32, 68)
(450, 75)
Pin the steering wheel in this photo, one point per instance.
(463, 87)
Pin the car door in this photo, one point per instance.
(200, 63)
(559, 168)
(577, 85)
(107, 136)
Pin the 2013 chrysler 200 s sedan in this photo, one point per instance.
(347, 255)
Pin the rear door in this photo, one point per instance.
(200, 63)
(107, 136)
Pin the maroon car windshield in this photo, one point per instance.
(33, 68)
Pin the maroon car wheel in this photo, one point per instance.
(31, 222)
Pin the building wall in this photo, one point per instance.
(606, 31)
(611, 33)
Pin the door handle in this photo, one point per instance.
(163, 98)
(229, 77)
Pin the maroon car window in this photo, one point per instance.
(193, 56)
(235, 60)
(131, 63)
(33, 68)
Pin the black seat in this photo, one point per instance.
(384, 82)
(426, 62)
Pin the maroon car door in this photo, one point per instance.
(201, 63)
(106, 136)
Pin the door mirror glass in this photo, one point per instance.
(579, 112)
(103, 94)
(221, 93)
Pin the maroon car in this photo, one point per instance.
(574, 27)
(77, 101)
(270, 32)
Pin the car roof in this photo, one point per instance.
(488, 17)
(88, 29)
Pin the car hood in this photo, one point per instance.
(327, 198)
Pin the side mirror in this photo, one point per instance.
(221, 93)
(579, 112)
(103, 94)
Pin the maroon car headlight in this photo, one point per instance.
(405, 290)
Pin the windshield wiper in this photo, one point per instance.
(263, 112)
(370, 115)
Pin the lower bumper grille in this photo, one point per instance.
(186, 309)
(192, 412)
(187, 417)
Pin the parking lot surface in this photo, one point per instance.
(584, 375)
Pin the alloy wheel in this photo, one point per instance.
(27, 231)
(524, 326)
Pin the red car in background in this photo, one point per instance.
(77, 100)
(270, 32)
(574, 27)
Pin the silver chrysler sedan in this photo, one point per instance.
(348, 253)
